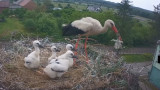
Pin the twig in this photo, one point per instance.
(128, 68)
(81, 39)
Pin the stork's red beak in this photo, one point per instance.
(116, 31)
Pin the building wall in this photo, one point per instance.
(30, 6)
(2, 8)
(14, 6)
(4, 4)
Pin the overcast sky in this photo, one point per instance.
(145, 4)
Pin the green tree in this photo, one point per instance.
(41, 23)
(2, 18)
(143, 34)
(38, 2)
(124, 9)
(46, 24)
(125, 22)
(48, 5)
(6, 12)
(30, 24)
(60, 6)
(157, 19)
(68, 6)
(20, 12)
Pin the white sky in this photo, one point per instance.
(145, 4)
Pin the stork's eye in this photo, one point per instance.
(112, 24)
(55, 48)
(71, 54)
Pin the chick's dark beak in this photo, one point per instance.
(74, 57)
(58, 50)
(73, 49)
(40, 46)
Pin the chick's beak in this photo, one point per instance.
(74, 57)
(58, 50)
(73, 49)
(40, 46)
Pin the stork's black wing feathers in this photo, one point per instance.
(57, 70)
(27, 62)
(69, 30)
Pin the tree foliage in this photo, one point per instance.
(48, 5)
(125, 21)
(42, 23)
(124, 9)
(157, 19)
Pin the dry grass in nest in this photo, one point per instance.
(101, 73)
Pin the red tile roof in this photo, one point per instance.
(24, 2)
(4, 3)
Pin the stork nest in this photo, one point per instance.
(103, 72)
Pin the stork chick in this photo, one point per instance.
(33, 59)
(54, 50)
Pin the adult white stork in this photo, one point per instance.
(86, 27)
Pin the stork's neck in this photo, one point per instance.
(54, 54)
(104, 28)
(37, 49)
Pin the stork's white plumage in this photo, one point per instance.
(33, 59)
(68, 47)
(86, 27)
(60, 66)
(64, 57)
(69, 55)
(54, 50)
(55, 70)
(53, 60)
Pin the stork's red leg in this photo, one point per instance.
(76, 47)
(85, 46)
